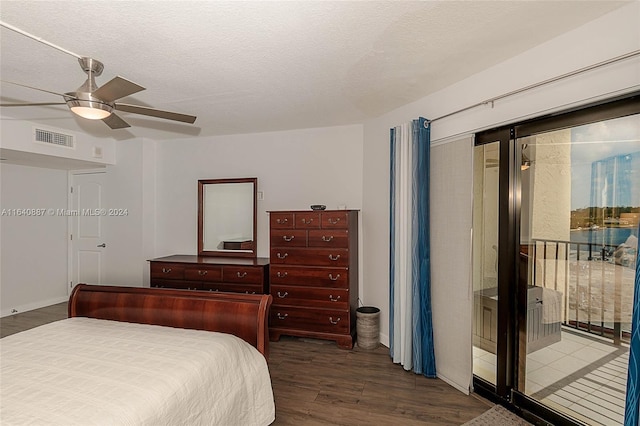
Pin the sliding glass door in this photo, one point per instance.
(556, 211)
(580, 204)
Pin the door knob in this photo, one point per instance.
(102, 245)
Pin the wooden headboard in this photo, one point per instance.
(243, 315)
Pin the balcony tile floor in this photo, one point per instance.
(583, 376)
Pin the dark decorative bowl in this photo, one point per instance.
(318, 207)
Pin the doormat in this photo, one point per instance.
(497, 416)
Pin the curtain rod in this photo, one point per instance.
(541, 83)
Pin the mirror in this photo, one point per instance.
(227, 217)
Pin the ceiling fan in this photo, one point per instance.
(99, 102)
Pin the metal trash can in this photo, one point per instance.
(368, 327)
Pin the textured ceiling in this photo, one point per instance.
(245, 67)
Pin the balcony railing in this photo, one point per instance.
(595, 279)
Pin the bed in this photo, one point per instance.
(141, 356)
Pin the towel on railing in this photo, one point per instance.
(625, 254)
(551, 306)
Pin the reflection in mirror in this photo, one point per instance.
(227, 217)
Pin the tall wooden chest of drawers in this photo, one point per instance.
(236, 275)
(314, 274)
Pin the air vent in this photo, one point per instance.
(53, 138)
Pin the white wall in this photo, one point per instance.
(157, 183)
(33, 255)
(612, 35)
(33, 260)
(130, 238)
(294, 169)
(17, 135)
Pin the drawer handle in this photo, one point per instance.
(166, 270)
(282, 296)
(281, 221)
(334, 322)
(307, 221)
(202, 272)
(332, 278)
(334, 221)
(247, 291)
(334, 258)
(287, 239)
(280, 316)
(241, 275)
(332, 299)
(282, 256)
(327, 239)
(282, 274)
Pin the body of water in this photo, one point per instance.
(603, 236)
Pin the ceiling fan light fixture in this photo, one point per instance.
(94, 102)
(90, 110)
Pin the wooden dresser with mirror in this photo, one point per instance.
(227, 259)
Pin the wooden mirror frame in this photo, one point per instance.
(251, 252)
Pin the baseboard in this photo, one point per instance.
(452, 383)
(32, 306)
(384, 339)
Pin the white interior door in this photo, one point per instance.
(88, 239)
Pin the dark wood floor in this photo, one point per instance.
(26, 320)
(316, 383)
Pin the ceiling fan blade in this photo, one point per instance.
(33, 104)
(116, 88)
(115, 122)
(35, 88)
(137, 109)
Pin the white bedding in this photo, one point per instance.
(82, 371)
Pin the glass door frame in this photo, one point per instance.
(512, 299)
(506, 268)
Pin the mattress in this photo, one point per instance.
(84, 371)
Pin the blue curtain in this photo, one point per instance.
(410, 319)
(632, 406)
